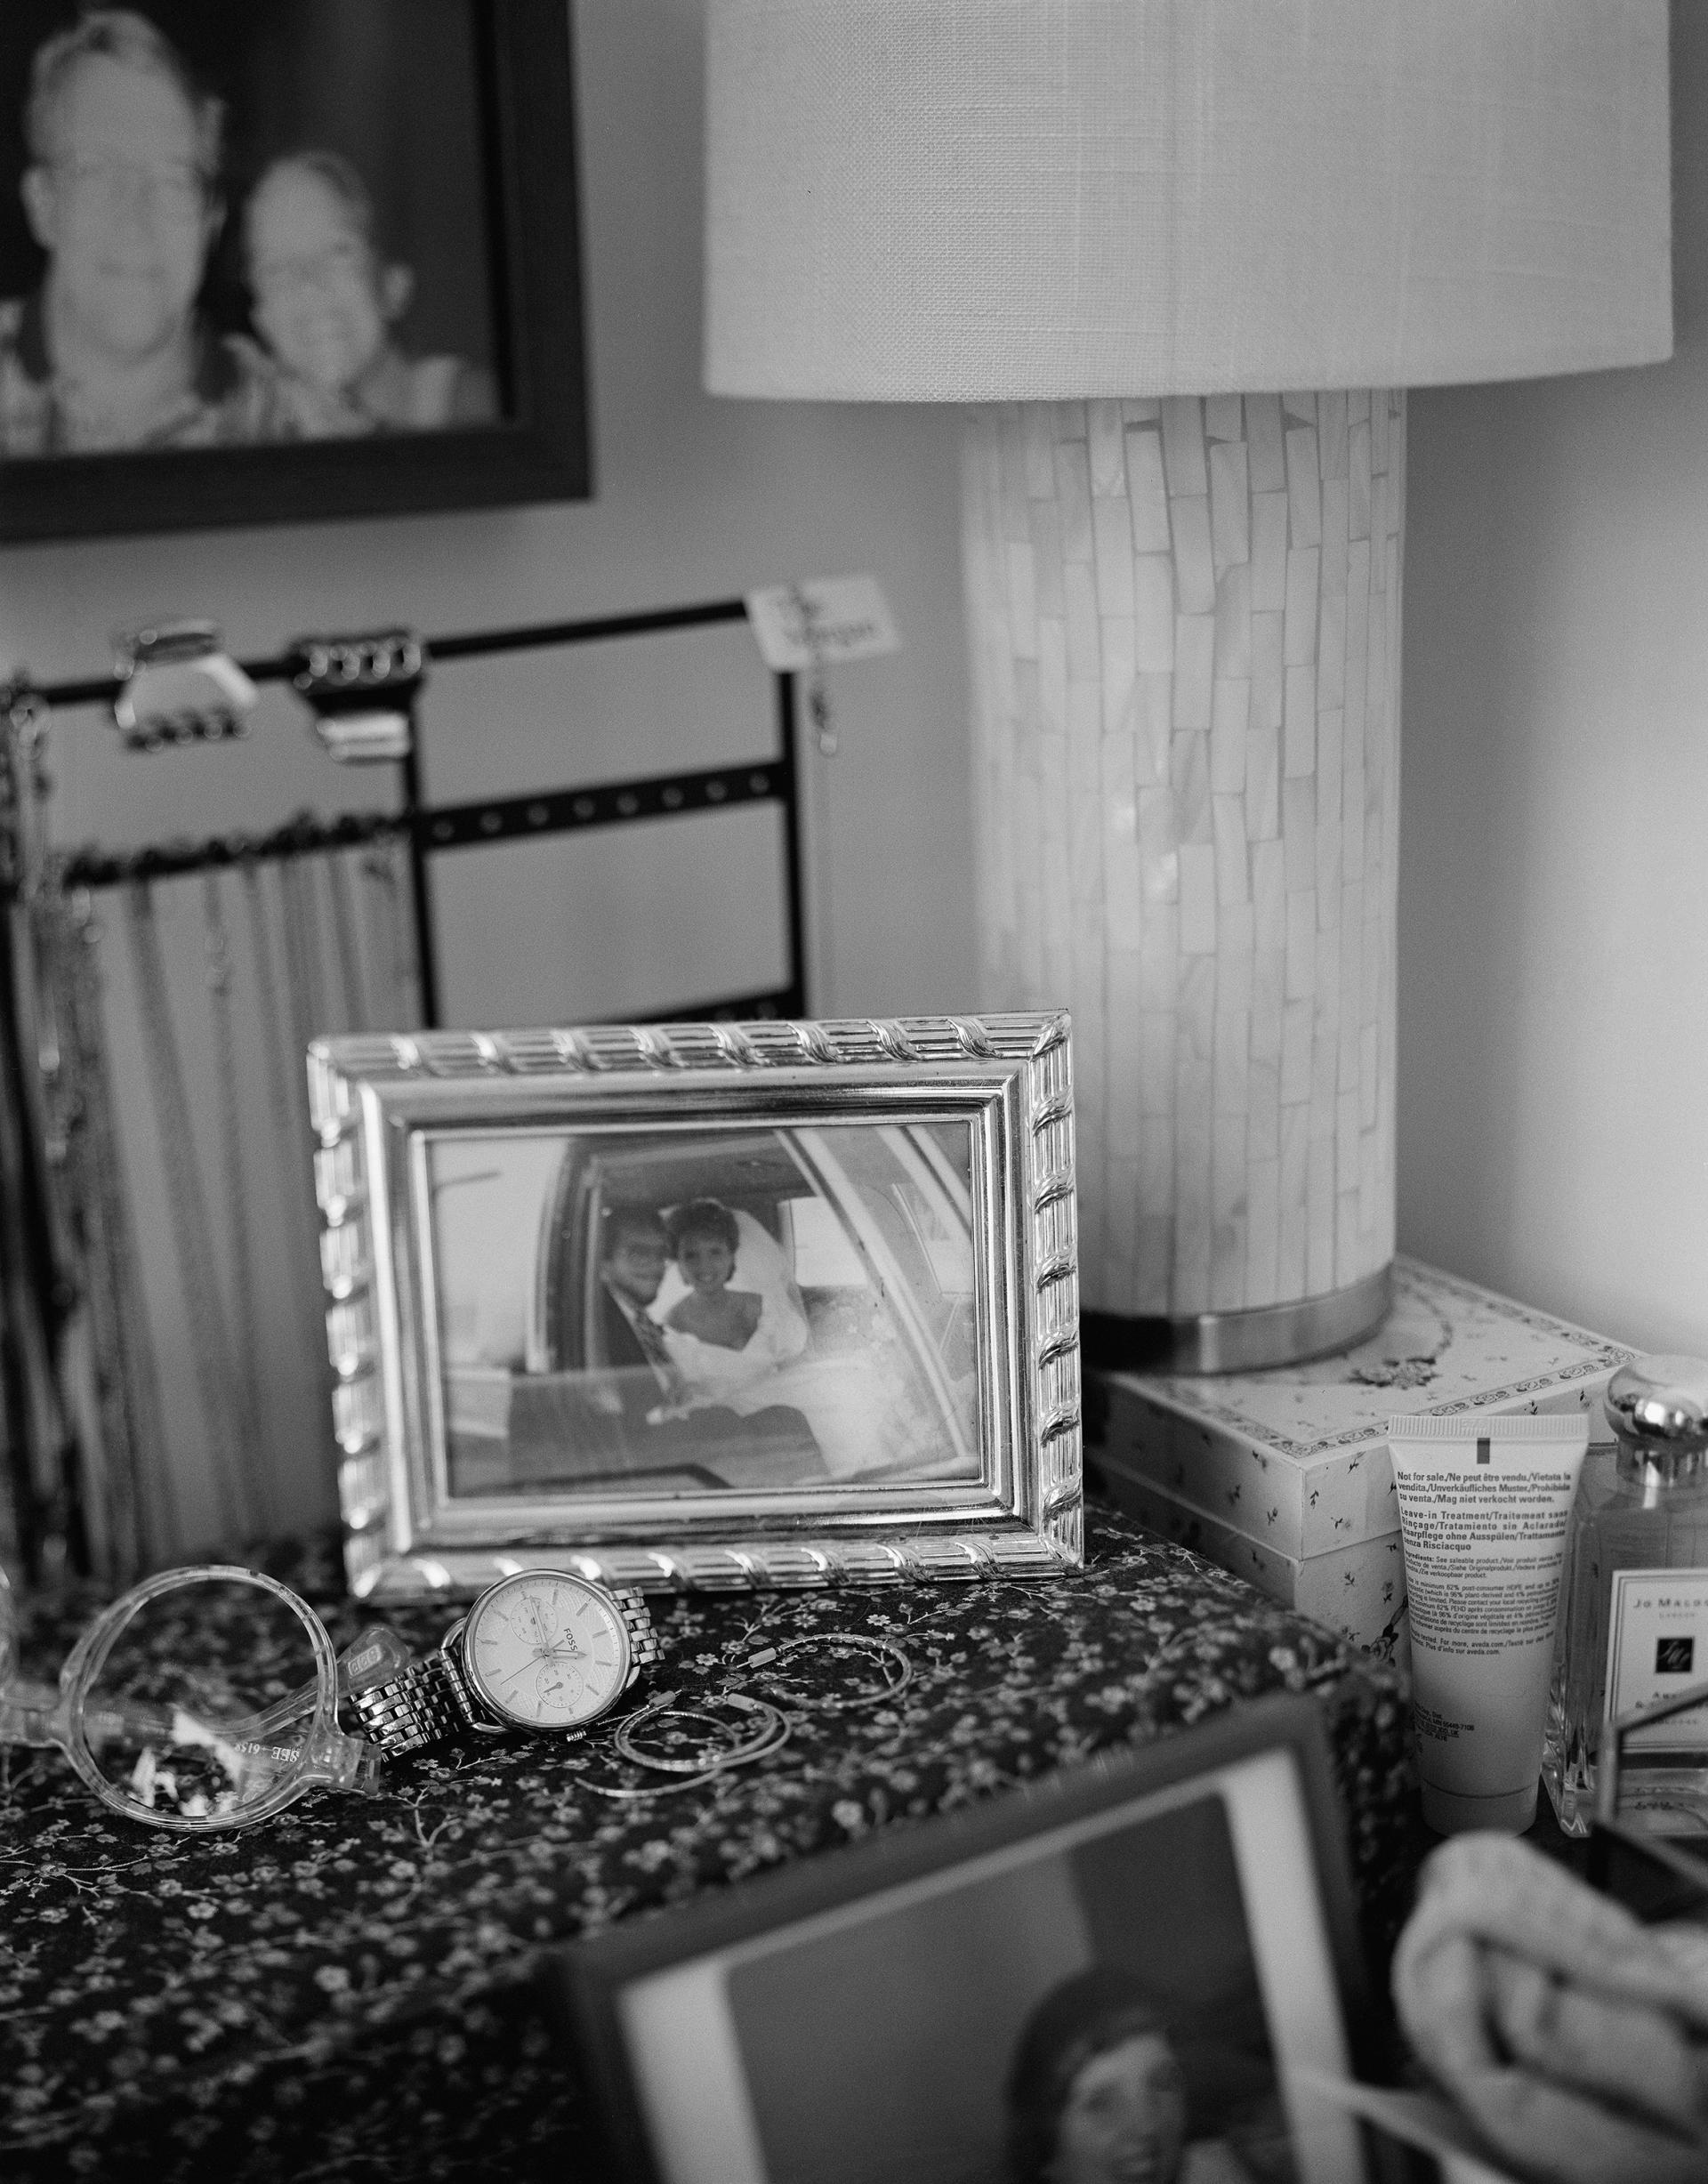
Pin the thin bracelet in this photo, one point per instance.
(773, 1732)
(771, 1736)
(654, 1789)
(897, 1669)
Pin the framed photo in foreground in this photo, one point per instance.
(703, 1304)
(285, 260)
(1145, 1966)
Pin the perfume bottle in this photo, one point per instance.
(1633, 1611)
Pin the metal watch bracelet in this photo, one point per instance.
(645, 1647)
(431, 1703)
(425, 1705)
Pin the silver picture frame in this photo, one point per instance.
(897, 1202)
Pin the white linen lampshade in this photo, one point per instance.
(1182, 257)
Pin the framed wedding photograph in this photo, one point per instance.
(1145, 1966)
(703, 1305)
(286, 260)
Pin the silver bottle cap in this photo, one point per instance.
(1661, 1404)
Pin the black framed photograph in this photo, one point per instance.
(703, 1304)
(1148, 1967)
(292, 260)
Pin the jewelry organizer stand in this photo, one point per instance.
(42, 1281)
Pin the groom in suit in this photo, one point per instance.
(634, 1253)
(627, 1411)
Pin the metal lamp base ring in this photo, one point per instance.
(1248, 1341)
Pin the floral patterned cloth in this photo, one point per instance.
(347, 1992)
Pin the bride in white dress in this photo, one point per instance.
(719, 1370)
(842, 1397)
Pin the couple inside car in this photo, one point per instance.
(683, 1392)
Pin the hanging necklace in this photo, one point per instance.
(819, 941)
(134, 1484)
(343, 927)
(303, 1240)
(390, 932)
(187, 1205)
(305, 1000)
(216, 949)
(379, 924)
(45, 1464)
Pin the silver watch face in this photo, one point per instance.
(546, 1651)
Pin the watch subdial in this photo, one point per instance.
(561, 1693)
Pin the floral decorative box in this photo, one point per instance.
(1358, 1590)
(1293, 1463)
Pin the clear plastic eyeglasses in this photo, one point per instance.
(202, 1698)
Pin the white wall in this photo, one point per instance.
(1553, 914)
(694, 499)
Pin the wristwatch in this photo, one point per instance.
(541, 1651)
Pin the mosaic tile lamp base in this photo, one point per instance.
(1185, 626)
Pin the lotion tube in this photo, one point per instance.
(1484, 1506)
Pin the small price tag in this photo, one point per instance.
(823, 622)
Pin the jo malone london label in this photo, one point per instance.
(1657, 1646)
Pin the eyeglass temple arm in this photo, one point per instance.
(25, 1710)
(375, 1654)
(28, 1710)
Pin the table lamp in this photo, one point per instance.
(1183, 258)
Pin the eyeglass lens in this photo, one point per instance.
(200, 1706)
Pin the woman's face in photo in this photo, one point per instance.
(707, 1262)
(1124, 2118)
(320, 295)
